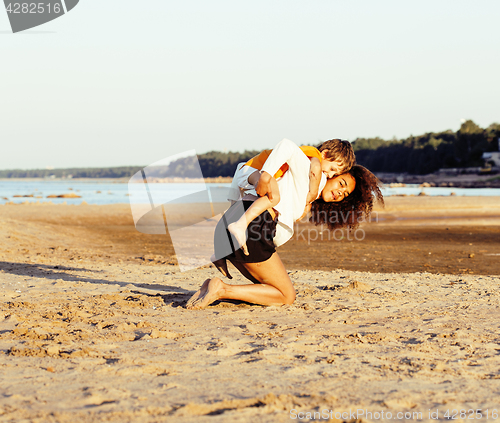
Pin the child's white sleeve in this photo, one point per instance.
(241, 176)
(240, 185)
(283, 153)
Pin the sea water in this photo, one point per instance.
(94, 192)
(111, 192)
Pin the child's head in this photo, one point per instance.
(355, 207)
(338, 157)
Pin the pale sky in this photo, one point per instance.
(131, 82)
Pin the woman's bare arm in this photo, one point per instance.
(306, 210)
(314, 180)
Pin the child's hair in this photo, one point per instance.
(339, 150)
(355, 208)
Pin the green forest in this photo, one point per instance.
(417, 155)
(423, 154)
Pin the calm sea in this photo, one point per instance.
(99, 192)
(106, 192)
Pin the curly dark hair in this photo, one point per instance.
(355, 208)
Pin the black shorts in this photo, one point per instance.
(260, 234)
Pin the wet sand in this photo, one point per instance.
(93, 328)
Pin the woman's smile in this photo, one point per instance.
(338, 188)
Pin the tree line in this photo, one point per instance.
(423, 154)
(111, 172)
(212, 164)
(415, 155)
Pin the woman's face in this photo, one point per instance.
(338, 188)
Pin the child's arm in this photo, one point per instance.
(263, 187)
(255, 178)
(314, 180)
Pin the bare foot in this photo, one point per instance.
(221, 266)
(213, 293)
(239, 231)
(200, 292)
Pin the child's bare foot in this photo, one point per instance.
(202, 291)
(221, 266)
(215, 288)
(239, 231)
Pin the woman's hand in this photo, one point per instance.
(314, 180)
(306, 210)
(311, 196)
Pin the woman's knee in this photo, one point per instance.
(289, 296)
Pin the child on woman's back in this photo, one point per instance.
(332, 158)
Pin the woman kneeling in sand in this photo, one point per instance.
(343, 202)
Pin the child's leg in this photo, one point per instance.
(239, 228)
(258, 207)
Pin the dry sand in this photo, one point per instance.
(93, 328)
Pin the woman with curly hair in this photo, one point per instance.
(344, 202)
(354, 208)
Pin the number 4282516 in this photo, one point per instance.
(472, 414)
(34, 8)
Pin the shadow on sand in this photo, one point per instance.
(61, 272)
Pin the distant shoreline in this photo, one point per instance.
(443, 180)
(218, 180)
(438, 180)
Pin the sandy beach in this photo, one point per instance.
(404, 319)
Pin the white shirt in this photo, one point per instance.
(293, 185)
